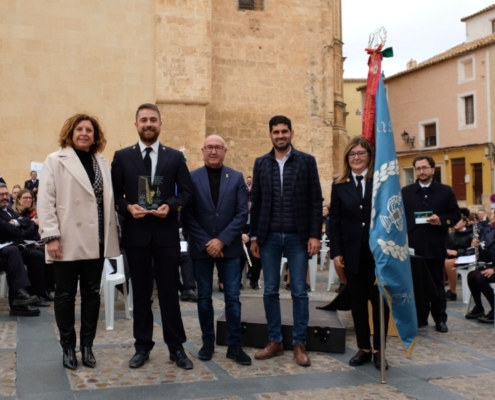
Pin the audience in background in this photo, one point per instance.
(458, 242)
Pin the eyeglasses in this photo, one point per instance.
(209, 149)
(26, 198)
(4, 195)
(421, 169)
(359, 154)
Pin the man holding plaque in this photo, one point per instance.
(215, 227)
(431, 209)
(146, 178)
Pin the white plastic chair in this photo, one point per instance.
(108, 283)
(3, 284)
(283, 262)
(313, 265)
(323, 252)
(331, 274)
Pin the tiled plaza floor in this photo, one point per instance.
(457, 365)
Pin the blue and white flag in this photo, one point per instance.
(388, 233)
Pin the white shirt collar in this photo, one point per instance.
(424, 186)
(363, 174)
(154, 146)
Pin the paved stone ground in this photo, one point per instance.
(456, 365)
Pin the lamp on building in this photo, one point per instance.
(408, 139)
(358, 112)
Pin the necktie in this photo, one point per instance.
(147, 160)
(360, 186)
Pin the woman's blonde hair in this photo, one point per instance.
(346, 169)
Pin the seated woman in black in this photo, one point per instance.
(457, 244)
(479, 280)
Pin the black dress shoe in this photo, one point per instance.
(69, 358)
(475, 313)
(441, 327)
(189, 295)
(138, 359)
(236, 353)
(378, 361)
(181, 360)
(360, 358)
(22, 297)
(48, 296)
(255, 286)
(206, 352)
(24, 311)
(88, 358)
(42, 303)
(486, 319)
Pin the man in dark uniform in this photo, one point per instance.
(431, 209)
(151, 237)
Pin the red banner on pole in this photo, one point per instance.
(374, 72)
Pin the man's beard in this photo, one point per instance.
(282, 147)
(145, 139)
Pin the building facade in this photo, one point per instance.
(445, 107)
(223, 67)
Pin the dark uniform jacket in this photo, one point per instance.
(428, 240)
(349, 222)
(127, 166)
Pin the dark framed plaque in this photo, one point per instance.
(149, 193)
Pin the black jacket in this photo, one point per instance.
(428, 240)
(16, 234)
(306, 196)
(487, 247)
(349, 222)
(127, 166)
(460, 240)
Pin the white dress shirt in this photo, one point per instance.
(153, 155)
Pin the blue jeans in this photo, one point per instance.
(291, 246)
(231, 276)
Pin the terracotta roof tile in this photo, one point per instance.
(478, 13)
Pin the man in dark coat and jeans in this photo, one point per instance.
(285, 218)
(431, 209)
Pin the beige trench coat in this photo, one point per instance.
(67, 207)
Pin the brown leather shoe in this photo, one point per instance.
(272, 349)
(301, 356)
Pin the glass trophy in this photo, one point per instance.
(149, 193)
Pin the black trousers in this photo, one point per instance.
(438, 304)
(362, 288)
(161, 264)
(35, 263)
(17, 277)
(186, 272)
(67, 275)
(478, 284)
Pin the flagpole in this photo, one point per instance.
(382, 340)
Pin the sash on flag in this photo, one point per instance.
(388, 230)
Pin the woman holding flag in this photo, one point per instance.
(350, 215)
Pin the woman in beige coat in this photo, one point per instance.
(77, 219)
